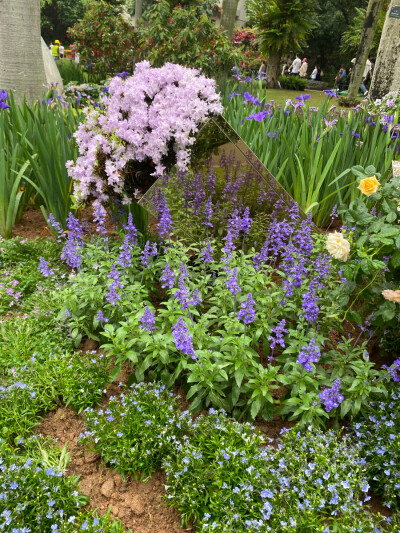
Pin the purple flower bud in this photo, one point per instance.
(232, 282)
(168, 277)
(148, 320)
(309, 354)
(247, 313)
(148, 252)
(182, 338)
(331, 397)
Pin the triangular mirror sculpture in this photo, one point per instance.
(223, 175)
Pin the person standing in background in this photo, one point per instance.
(61, 51)
(54, 49)
(303, 68)
(295, 66)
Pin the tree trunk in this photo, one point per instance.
(138, 9)
(228, 16)
(273, 69)
(386, 76)
(371, 20)
(21, 60)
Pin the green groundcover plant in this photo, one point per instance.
(378, 437)
(136, 430)
(37, 496)
(44, 383)
(223, 476)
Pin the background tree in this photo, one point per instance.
(370, 24)
(352, 34)
(58, 15)
(21, 59)
(280, 26)
(332, 17)
(185, 34)
(228, 16)
(104, 38)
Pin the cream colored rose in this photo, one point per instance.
(338, 246)
(392, 296)
(369, 185)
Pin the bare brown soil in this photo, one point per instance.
(33, 224)
(138, 505)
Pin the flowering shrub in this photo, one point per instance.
(228, 322)
(104, 39)
(185, 34)
(35, 497)
(244, 37)
(378, 437)
(389, 104)
(374, 266)
(136, 430)
(223, 478)
(146, 123)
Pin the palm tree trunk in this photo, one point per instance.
(138, 9)
(273, 68)
(21, 59)
(228, 16)
(371, 20)
(386, 76)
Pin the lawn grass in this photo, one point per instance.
(281, 95)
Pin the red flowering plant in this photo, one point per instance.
(244, 37)
(104, 39)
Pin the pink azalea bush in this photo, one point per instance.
(144, 118)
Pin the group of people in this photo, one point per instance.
(57, 50)
(299, 67)
(342, 80)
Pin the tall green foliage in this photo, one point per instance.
(36, 143)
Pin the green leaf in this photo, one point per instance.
(345, 407)
(239, 373)
(395, 261)
(366, 266)
(255, 407)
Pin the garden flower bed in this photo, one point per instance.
(231, 297)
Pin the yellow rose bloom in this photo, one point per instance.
(369, 186)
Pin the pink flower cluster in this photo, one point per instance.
(140, 119)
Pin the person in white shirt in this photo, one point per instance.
(295, 66)
(314, 73)
(61, 51)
